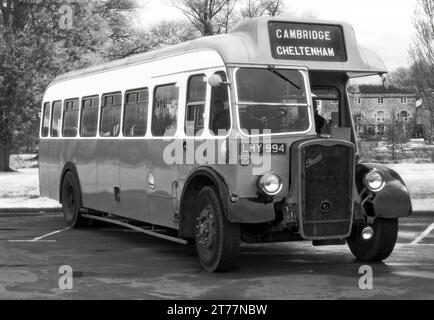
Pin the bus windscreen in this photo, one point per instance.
(272, 102)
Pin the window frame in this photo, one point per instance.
(124, 110)
(81, 115)
(50, 131)
(155, 88)
(63, 116)
(100, 113)
(44, 108)
(187, 104)
(376, 117)
(380, 100)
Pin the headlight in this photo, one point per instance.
(270, 184)
(374, 181)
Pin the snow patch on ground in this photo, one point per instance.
(20, 189)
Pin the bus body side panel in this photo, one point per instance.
(107, 166)
(86, 168)
(68, 153)
(134, 179)
(161, 199)
(44, 182)
(54, 167)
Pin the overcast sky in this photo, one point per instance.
(384, 26)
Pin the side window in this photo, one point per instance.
(45, 120)
(70, 118)
(89, 116)
(196, 97)
(56, 114)
(326, 109)
(110, 124)
(165, 110)
(136, 113)
(220, 120)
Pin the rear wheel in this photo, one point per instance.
(380, 246)
(217, 239)
(71, 202)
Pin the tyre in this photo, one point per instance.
(71, 202)
(380, 246)
(217, 239)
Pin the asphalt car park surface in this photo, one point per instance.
(110, 262)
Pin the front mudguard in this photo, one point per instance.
(393, 201)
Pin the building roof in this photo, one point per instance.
(377, 89)
(249, 43)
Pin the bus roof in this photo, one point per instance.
(314, 44)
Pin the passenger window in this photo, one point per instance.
(56, 114)
(45, 120)
(164, 114)
(136, 113)
(196, 97)
(220, 120)
(110, 124)
(89, 117)
(70, 118)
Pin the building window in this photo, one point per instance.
(403, 100)
(380, 100)
(380, 116)
(380, 129)
(403, 116)
(164, 115)
(359, 101)
(136, 113)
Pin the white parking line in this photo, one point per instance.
(41, 238)
(423, 234)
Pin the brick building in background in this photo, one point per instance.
(376, 109)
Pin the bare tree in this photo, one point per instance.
(209, 17)
(422, 57)
(259, 8)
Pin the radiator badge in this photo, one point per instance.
(314, 161)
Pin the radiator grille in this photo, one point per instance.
(326, 189)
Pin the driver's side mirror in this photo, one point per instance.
(216, 81)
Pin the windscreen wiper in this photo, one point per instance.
(280, 75)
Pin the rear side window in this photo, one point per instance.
(56, 115)
(45, 120)
(111, 106)
(89, 116)
(70, 118)
(136, 113)
(165, 110)
(196, 97)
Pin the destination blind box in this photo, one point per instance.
(300, 41)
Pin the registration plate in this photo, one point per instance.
(260, 148)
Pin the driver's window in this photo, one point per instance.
(220, 120)
(326, 109)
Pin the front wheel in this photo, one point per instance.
(380, 246)
(217, 239)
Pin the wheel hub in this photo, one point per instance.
(205, 228)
